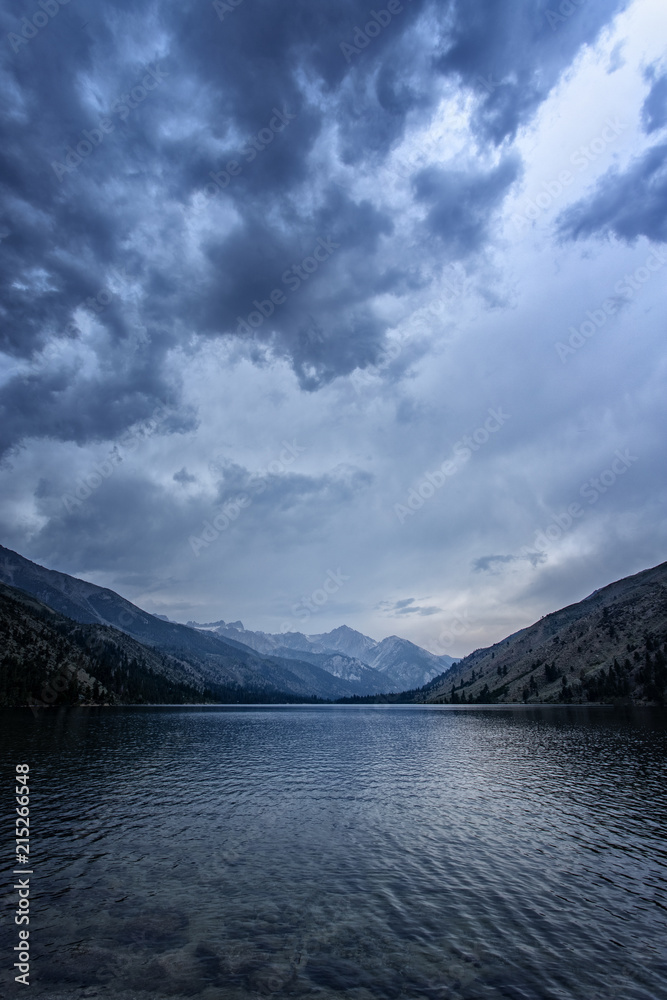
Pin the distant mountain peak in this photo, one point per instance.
(396, 663)
(191, 654)
(192, 624)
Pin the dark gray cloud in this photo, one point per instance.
(286, 491)
(654, 108)
(633, 202)
(626, 204)
(184, 477)
(462, 203)
(408, 606)
(490, 564)
(511, 55)
(616, 58)
(87, 523)
(117, 115)
(486, 563)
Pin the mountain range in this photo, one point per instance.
(200, 658)
(391, 665)
(63, 641)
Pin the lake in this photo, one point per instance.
(365, 852)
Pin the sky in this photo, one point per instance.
(316, 313)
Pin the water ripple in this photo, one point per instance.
(398, 853)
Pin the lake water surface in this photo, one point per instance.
(358, 852)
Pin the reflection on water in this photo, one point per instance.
(365, 852)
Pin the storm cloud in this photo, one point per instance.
(127, 234)
(230, 228)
